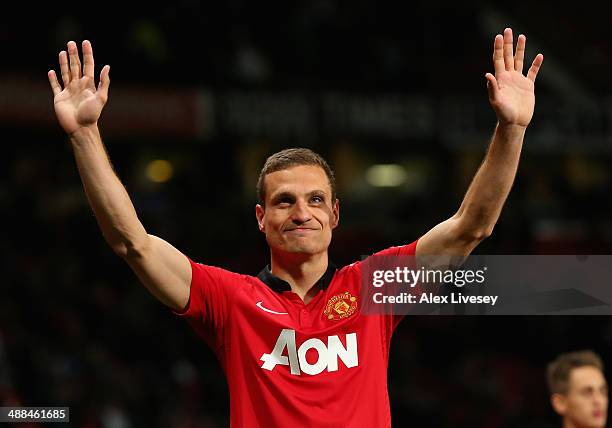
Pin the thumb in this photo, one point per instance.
(104, 83)
(492, 87)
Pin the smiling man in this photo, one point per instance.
(578, 388)
(298, 210)
(294, 346)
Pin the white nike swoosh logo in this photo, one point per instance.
(259, 305)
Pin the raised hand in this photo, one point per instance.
(80, 103)
(511, 94)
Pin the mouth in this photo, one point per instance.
(301, 229)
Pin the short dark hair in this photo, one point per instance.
(558, 371)
(289, 158)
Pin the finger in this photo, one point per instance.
(492, 87)
(508, 57)
(88, 59)
(520, 53)
(55, 86)
(535, 67)
(104, 83)
(64, 69)
(75, 63)
(498, 55)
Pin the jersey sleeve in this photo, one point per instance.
(391, 321)
(210, 296)
(401, 250)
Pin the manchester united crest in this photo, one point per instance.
(340, 306)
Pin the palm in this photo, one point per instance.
(511, 94)
(517, 98)
(79, 104)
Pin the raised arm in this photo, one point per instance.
(163, 269)
(511, 94)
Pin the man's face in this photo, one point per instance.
(586, 402)
(299, 214)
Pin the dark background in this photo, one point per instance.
(214, 88)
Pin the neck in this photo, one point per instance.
(300, 271)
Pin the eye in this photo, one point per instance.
(587, 392)
(317, 199)
(284, 201)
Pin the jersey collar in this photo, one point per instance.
(279, 285)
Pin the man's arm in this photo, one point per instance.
(164, 270)
(511, 95)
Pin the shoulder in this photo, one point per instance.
(203, 274)
(353, 271)
(398, 250)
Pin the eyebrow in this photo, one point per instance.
(287, 194)
(593, 387)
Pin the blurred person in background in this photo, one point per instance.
(578, 388)
(300, 312)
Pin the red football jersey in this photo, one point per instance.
(323, 364)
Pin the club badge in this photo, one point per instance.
(340, 306)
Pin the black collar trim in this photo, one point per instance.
(279, 285)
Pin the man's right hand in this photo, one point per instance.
(163, 269)
(79, 104)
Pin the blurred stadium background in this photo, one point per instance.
(394, 97)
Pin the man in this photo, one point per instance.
(294, 346)
(579, 391)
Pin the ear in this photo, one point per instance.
(335, 213)
(259, 214)
(558, 403)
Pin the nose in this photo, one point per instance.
(301, 214)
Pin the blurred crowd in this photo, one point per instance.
(77, 329)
